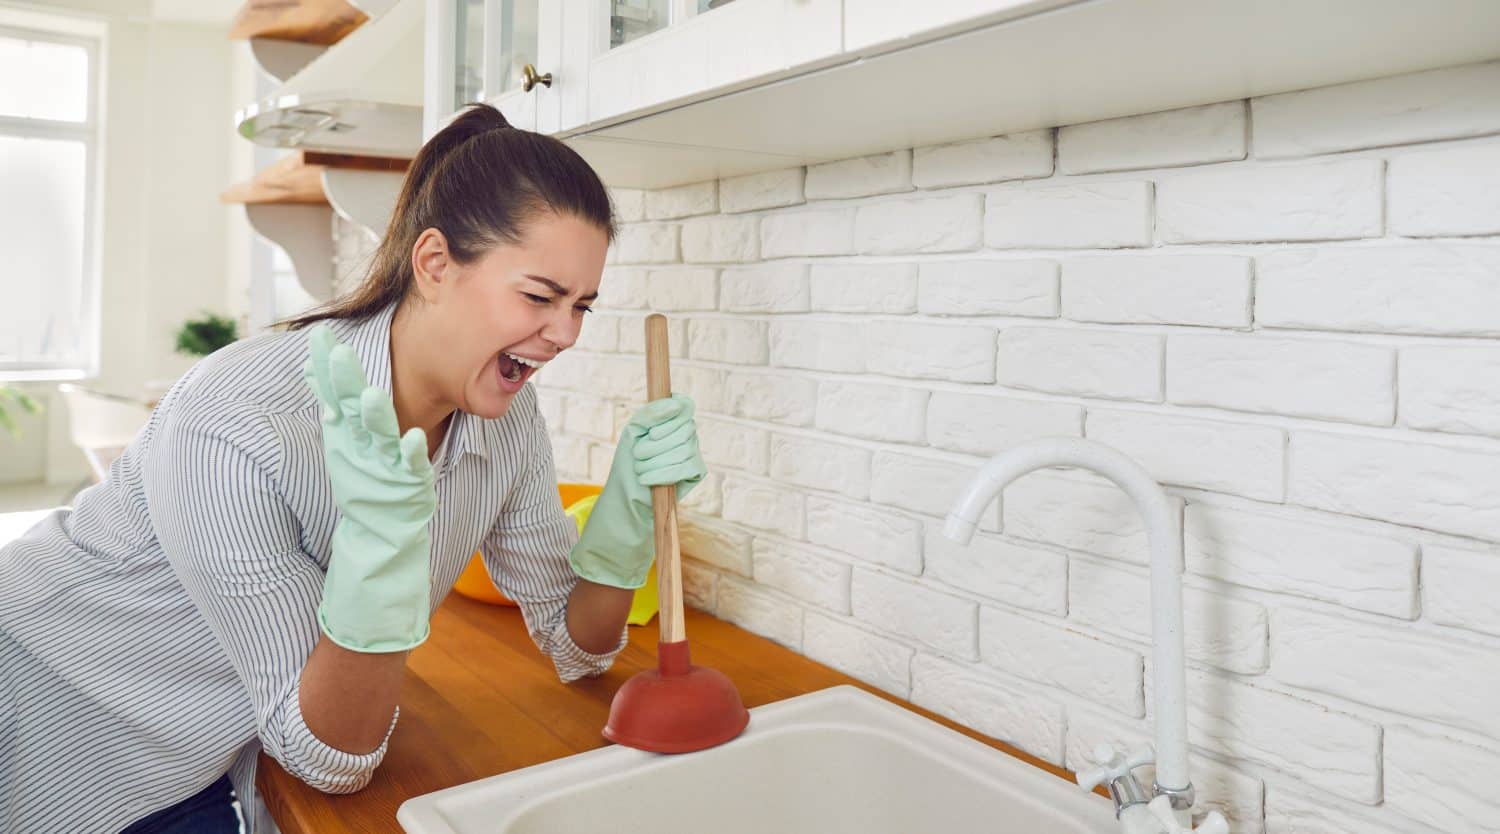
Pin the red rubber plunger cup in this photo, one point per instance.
(676, 707)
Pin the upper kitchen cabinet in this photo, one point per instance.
(490, 51)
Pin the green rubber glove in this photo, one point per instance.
(375, 596)
(659, 446)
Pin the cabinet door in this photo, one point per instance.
(650, 54)
(477, 50)
(510, 37)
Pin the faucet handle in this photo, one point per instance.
(1112, 765)
(1161, 808)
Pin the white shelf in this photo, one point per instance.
(1085, 61)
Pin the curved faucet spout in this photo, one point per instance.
(1164, 533)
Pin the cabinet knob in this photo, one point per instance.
(531, 79)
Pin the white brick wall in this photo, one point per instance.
(1288, 310)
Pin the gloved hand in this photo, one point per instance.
(375, 596)
(659, 446)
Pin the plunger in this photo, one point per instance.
(677, 707)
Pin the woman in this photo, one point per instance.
(261, 559)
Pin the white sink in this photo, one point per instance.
(838, 761)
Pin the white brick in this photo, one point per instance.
(1454, 191)
(864, 288)
(1223, 457)
(646, 243)
(798, 233)
(882, 663)
(1452, 389)
(1441, 782)
(871, 534)
(1445, 290)
(774, 398)
(722, 545)
(1192, 135)
(1093, 363)
(1296, 377)
(1458, 588)
(740, 341)
(600, 459)
(877, 412)
(733, 445)
(1444, 488)
(1005, 571)
(1289, 813)
(1012, 157)
(817, 464)
(981, 424)
(1449, 103)
(929, 224)
(683, 289)
(1388, 667)
(700, 586)
(804, 574)
(817, 345)
(1240, 797)
(930, 351)
(1207, 290)
(964, 693)
(707, 498)
(623, 288)
(775, 618)
(767, 288)
(1319, 201)
(629, 203)
(571, 457)
(633, 335)
(864, 176)
(984, 288)
(617, 377)
(772, 189)
(550, 404)
(919, 484)
(764, 506)
(1320, 561)
(706, 386)
(1216, 630)
(1101, 215)
(1080, 512)
(591, 416)
(721, 240)
(932, 618)
(683, 201)
(1075, 663)
(1310, 742)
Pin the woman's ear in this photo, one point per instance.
(429, 264)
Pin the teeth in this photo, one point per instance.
(524, 361)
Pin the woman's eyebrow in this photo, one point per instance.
(559, 288)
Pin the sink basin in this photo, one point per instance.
(838, 761)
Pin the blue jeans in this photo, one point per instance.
(207, 812)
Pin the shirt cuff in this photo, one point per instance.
(573, 662)
(327, 768)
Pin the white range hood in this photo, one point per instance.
(362, 96)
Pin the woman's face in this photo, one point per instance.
(515, 309)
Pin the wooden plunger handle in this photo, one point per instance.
(664, 498)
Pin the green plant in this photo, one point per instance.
(200, 337)
(20, 398)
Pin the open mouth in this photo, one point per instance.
(515, 370)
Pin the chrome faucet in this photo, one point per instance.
(1171, 809)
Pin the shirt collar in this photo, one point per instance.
(371, 340)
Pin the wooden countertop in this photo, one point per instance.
(479, 699)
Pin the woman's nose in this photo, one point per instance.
(561, 328)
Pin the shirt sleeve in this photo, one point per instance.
(526, 555)
(234, 543)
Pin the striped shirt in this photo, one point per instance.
(153, 636)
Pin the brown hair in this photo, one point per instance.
(480, 182)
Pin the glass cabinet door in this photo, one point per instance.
(468, 52)
(493, 41)
(633, 19)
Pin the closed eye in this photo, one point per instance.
(537, 299)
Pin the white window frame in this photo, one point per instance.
(88, 132)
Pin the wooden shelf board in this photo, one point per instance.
(323, 22)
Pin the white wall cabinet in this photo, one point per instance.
(656, 93)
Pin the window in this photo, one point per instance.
(49, 128)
